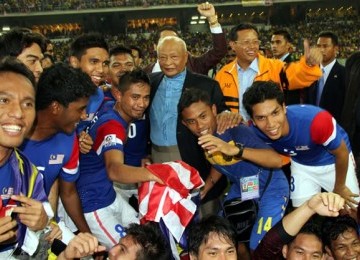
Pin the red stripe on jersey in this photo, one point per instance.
(322, 127)
(108, 128)
(72, 165)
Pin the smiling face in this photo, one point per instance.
(200, 118)
(94, 62)
(32, 57)
(17, 109)
(68, 117)
(346, 246)
(270, 117)
(133, 102)
(246, 47)
(172, 56)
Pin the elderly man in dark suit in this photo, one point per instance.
(329, 91)
(171, 140)
(200, 64)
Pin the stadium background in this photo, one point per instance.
(136, 21)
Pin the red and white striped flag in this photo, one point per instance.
(172, 201)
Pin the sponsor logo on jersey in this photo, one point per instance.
(302, 148)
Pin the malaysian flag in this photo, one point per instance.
(170, 202)
(56, 158)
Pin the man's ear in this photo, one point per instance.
(56, 107)
(285, 251)
(183, 122)
(186, 56)
(193, 257)
(74, 62)
(214, 109)
(328, 251)
(116, 93)
(232, 45)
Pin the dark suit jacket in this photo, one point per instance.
(332, 98)
(292, 96)
(208, 60)
(190, 151)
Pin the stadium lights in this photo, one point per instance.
(194, 17)
(193, 22)
(201, 22)
(6, 28)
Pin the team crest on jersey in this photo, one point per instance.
(56, 158)
(302, 148)
(110, 140)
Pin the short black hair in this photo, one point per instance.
(132, 77)
(63, 84)
(133, 47)
(120, 50)
(191, 96)
(50, 57)
(240, 27)
(151, 240)
(261, 91)
(311, 227)
(285, 34)
(199, 232)
(327, 34)
(86, 41)
(333, 227)
(12, 64)
(166, 28)
(16, 40)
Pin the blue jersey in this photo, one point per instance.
(238, 169)
(137, 142)
(313, 132)
(273, 199)
(94, 104)
(56, 156)
(108, 131)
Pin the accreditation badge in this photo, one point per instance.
(249, 187)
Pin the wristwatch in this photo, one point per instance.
(241, 147)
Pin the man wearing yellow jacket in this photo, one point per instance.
(250, 66)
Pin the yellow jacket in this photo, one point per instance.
(292, 76)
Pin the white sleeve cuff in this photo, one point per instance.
(216, 29)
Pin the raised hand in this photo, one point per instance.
(312, 55)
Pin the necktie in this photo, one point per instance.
(320, 87)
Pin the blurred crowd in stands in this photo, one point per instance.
(347, 29)
(24, 6)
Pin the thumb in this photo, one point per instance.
(306, 48)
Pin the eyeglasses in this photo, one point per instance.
(248, 43)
